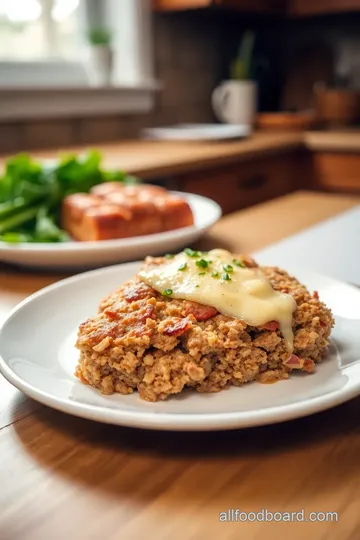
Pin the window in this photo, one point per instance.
(44, 46)
(39, 29)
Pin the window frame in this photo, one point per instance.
(63, 89)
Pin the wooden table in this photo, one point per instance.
(63, 477)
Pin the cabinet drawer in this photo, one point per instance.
(337, 172)
(244, 184)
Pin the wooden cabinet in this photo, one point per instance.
(257, 180)
(245, 184)
(291, 7)
(262, 177)
(318, 7)
(338, 171)
(254, 6)
(177, 5)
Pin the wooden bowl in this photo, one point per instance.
(337, 107)
(297, 121)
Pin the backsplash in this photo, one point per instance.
(325, 49)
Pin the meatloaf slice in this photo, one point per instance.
(113, 211)
(141, 340)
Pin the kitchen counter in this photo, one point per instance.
(332, 141)
(150, 159)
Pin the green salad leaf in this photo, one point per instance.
(31, 193)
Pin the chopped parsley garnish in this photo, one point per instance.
(167, 292)
(191, 253)
(215, 274)
(202, 263)
(228, 268)
(183, 267)
(225, 277)
(169, 256)
(239, 263)
(202, 273)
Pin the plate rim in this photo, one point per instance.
(185, 132)
(180, 421)
(165, 420)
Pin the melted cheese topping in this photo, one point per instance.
(214, 279)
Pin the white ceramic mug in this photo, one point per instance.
(235, 102)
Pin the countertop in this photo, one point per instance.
(151, 159)
(333, 141)
(62, 476)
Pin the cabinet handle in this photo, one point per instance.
(252, 182)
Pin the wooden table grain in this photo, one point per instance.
(64, 477)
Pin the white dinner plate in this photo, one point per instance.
(198, 132)
(38, 357)
(94, 254)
